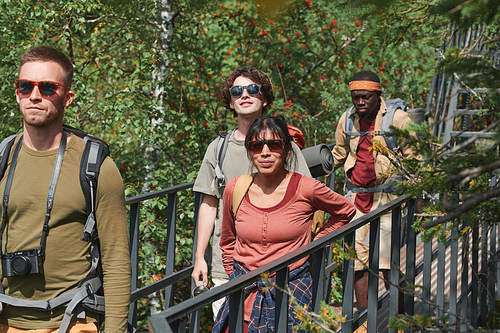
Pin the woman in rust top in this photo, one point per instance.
(273, 219)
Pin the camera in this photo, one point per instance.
(21, 263)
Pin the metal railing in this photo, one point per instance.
(171, 277)
(174, 318)
(444, 92)
(466, 297)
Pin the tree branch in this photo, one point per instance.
(459, 7)
(458, 209)
(472, 139)
(467, 174)
(478, 39)
(322, 61)
(281, 78)
(154, 24)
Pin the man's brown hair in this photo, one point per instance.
(47, 53)
(256, 76)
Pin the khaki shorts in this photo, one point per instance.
(216, 305)
(362, 240)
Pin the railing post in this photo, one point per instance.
(318, 281)
(483, 296)
(373, 277)
(328, 278)
(492, 269)
(475, 277)
(464, 293)
(170, 255)
(281, 310)
(134, 260)
(427, 276)
(348, 285)
(497, 264)
(194, 320)
(453, 276)
(395, 262)
(441, 272)
(236, 310)
(410, 256)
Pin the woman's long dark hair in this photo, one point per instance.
(278, 127)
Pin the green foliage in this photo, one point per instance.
(417, 322)
(324, 321)
(154, 96)
(307, 49)
(493, 319)
(337, 291)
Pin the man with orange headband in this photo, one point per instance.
(368, 173)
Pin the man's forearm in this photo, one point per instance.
(206, 224)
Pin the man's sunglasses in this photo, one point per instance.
(47, 88)
(256, 146)
(252, 89)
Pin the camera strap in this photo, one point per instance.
(50, 196)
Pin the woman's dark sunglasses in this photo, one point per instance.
(252, 89)
(256, 146)
(47, 88)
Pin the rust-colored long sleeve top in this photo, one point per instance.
(260, 235)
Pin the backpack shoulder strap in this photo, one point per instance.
(349, 123)
(392, 105)
(220, 155)
(5, 147)
(240, 190)
(94, 154)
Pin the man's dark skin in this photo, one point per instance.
(367, 103)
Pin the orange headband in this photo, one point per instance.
(364, 85)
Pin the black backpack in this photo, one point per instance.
(88, 294)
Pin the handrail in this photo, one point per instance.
(158, 193)
(172, 277)
(158, 322)
(160, 284)
(174, 317)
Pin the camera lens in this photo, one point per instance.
(20, 265)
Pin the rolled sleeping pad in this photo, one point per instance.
(417, 115)
(319, 159)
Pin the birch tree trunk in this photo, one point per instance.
(160, 78)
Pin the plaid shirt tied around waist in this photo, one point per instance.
(263, 313)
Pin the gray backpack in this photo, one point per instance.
(387, 121)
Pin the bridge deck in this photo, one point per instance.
(383, 313)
